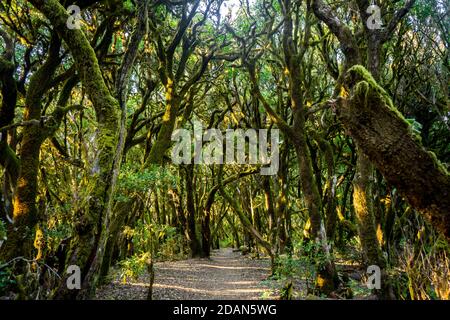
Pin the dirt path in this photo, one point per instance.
(227, 275)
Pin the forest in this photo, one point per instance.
(224, 149)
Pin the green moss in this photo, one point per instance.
(9, 159)
(367, 91)
(358, 73)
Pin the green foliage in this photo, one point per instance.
(55, 233)
(423, 259)
(302, 266)
(425, 9)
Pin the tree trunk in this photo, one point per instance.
(206, 233)
(387, 139)
(194, 243)
(25, 212)
(94, 220)
(163, 140)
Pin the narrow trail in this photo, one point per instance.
(226, 275)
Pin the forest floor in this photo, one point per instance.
(226, 275)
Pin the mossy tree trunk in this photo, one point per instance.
(25, 213)
(194, 243)
(293, 54)
(283, 217)
(382, 133)
(363, 182)
(368, 225)
(8, 158)
(163, 140)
